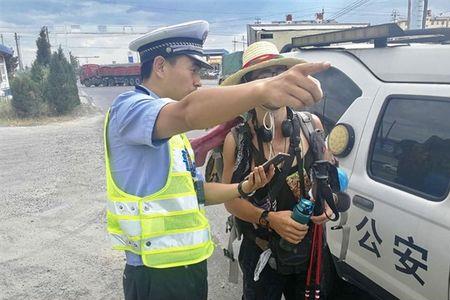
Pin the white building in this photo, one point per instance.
(431, 21)
(4, 83)
(281, 32)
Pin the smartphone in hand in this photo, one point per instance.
(276, 160)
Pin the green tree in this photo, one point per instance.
(38, 72)
(61, 88)
(74, 62)
(27, 97)
(43, 54)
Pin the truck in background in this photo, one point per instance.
(231, 63)
(110, 75)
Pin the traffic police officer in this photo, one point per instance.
(155, 207)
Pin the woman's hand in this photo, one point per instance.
(257, 179)
(323, 217)
(286, 227)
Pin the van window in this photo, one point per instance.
(339, 92)
(266, 36)
(411, 148)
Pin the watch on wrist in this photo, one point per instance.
(242, 193)
(264, 219)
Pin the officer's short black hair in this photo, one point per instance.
(147, 67)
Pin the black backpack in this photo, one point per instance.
(214, 170)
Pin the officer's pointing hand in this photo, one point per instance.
(295, 87)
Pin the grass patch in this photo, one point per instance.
(9, 118)
(7, 113)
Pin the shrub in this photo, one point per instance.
(61, 88)
(27, 96)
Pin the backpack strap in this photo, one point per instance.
(315, 136)
(306, 124)
(296, 141)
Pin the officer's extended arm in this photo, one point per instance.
(205, 108)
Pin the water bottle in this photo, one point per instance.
(301, 213)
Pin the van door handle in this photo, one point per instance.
(363, 203)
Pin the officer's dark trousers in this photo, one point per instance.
(179, 283)
(271, 285)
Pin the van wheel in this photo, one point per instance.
(137, 81)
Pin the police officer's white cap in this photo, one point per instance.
(185, 38)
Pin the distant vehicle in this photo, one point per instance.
(110, 75)
(213, 73)
(231, 63)
(386, 108)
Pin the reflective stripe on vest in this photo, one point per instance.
(149, 245)
(167, 228)
(131, 208)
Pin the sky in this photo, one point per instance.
(68, 19)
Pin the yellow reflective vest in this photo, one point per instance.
(167, 228)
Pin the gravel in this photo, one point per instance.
(52, 217)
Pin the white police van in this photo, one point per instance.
(390, 106)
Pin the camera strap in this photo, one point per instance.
(295, 145)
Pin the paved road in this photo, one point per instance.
(103, 96)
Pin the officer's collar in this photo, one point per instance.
(142, 89)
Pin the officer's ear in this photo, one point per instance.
(158, 66)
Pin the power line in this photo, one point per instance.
(265, 16)
(64, 27)
(221, 12)
(82, 35)
(346, 8)
(352, 6)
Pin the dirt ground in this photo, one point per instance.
(53, 242)
(52, 216)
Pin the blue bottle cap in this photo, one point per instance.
(343, 180)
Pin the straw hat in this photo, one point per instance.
(258, 56)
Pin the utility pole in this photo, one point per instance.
(17, 38)
(243, 43)
(234, 44)
(417, 14)
(2, 38)
(425, 14)
(66, 30)
(257, 20)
